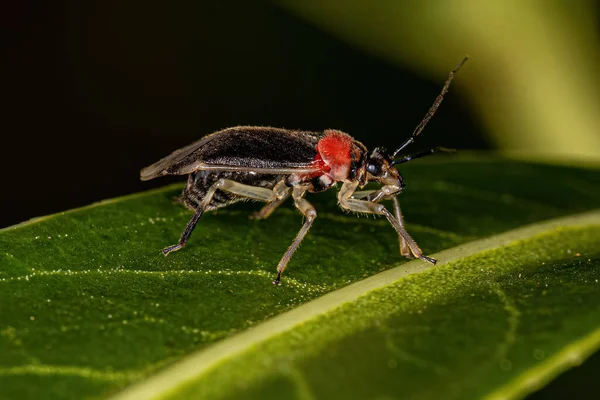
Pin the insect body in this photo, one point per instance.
(270, 164)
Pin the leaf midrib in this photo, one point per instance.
(204, 360)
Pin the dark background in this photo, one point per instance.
(93, 91)
(96, 90)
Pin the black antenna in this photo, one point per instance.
(432, 110)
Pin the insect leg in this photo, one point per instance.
(404, 250)
(368, 195)
(310, 213)
(282, 191)
(252, 192)
(192, 224)
(186, 233)
(267, 210)
(347, 202)
(361, 195)
(387, 192)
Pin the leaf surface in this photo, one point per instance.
(496, 325)
(89, 305)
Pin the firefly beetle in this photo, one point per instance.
(268, 164)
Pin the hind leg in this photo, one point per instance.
(251, 192)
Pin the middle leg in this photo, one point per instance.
(282, 192)
(310, 213)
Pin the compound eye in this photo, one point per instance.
(374, 169)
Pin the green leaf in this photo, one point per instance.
(89, 305)
(497, 323)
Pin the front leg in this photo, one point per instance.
(404, 250)
(370, 207)
(386, 192)
(375, 196)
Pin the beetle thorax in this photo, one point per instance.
(335, 153)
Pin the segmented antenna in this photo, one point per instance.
(432, 110)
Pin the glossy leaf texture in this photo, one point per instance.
(89, 306)
(495, 325)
